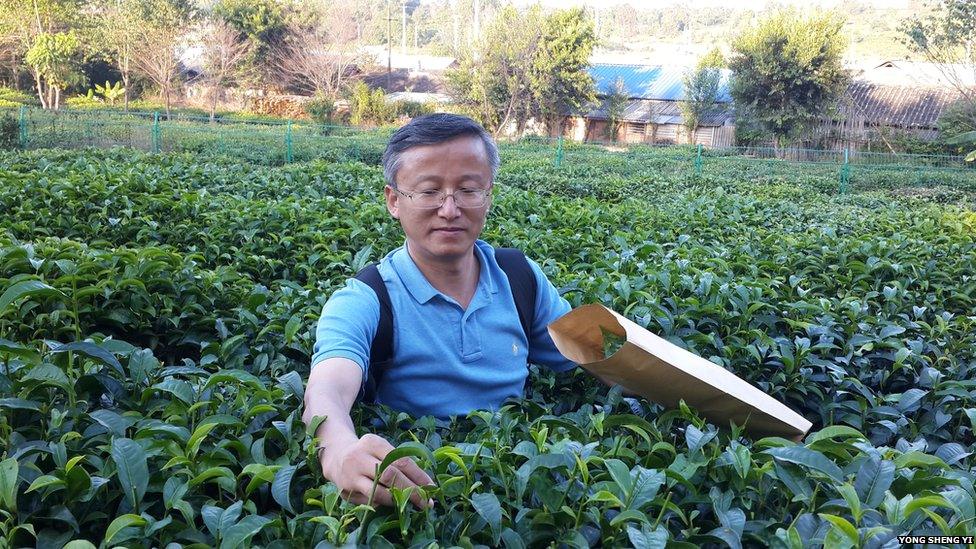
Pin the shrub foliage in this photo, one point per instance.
(157, 315)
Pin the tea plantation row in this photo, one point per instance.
(157, 315)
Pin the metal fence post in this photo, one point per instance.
(698, 161)
(559, 152)
(156, 134)
(288, 150)
(845, 172)
(22, 123)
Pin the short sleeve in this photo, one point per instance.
(549, 306)
(347, 325)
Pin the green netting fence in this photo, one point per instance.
(276, 142)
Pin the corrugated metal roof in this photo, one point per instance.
(906, 106)
(653, 82)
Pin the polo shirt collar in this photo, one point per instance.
(421, 289)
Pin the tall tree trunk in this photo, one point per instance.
(40, 90)
(57, 97)
(214, 90)
(124, 71)
(125, 93)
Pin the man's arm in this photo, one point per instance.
(347, 460)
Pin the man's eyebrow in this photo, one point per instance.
(424, 178)
(435, 178)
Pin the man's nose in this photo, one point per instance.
(451, 210)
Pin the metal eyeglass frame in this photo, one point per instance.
(443, 197)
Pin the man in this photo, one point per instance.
(458, 341)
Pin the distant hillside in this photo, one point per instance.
(679, 31)
(671, 35)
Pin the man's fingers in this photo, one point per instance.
(394, 477)
(413, 471)
(380, 495)
(377, 446)
(357, 499)
(403, 473)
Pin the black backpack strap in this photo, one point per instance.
(381, 350)
(523, 283)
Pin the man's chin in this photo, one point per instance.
(446, 248)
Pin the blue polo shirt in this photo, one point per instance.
(446, 360)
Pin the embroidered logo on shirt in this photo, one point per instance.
(514, 349)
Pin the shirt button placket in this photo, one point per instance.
(460, 328)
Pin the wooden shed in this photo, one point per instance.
(871, 113)
(653, 111)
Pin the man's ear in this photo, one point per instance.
(392, 203)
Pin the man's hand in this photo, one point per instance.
(352, 468)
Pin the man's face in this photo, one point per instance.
(447, 232)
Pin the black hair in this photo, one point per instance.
(431, 129)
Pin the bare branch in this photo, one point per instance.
(223, 59)
(318, 60)
(154, 57)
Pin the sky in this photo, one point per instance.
(740, 4)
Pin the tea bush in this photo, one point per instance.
(157, 315)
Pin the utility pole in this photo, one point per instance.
(389, 47)
(477, 19)
(403, 31)
(457, 30)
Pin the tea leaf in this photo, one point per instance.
(873, 479)
(133, 473)
(611, 342)
(26, 288)
(121, 523)
(808, 458)
(90, 350)
(9, 469)
(647, 537)
(490, 509)
(239, 534)
(281, 486)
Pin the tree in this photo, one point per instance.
(493, 79)
(788, 72)
(559, 79)
(224, 57)
(316, 58)
(615, 104)
(946, 37)
(154, 54)
(154, 57)
(53, 58)
(701, 89)
(120, 26)
(47, 31)
(526, 65)
(262, 24)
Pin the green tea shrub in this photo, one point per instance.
(322, 110)
(157, 316)
(9, 131)
(17, 97)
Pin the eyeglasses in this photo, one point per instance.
(463, 198)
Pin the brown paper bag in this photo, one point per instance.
(664, 373)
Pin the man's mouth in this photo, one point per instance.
(451, 230)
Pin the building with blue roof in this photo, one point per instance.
(653, 110)
(650, 82)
